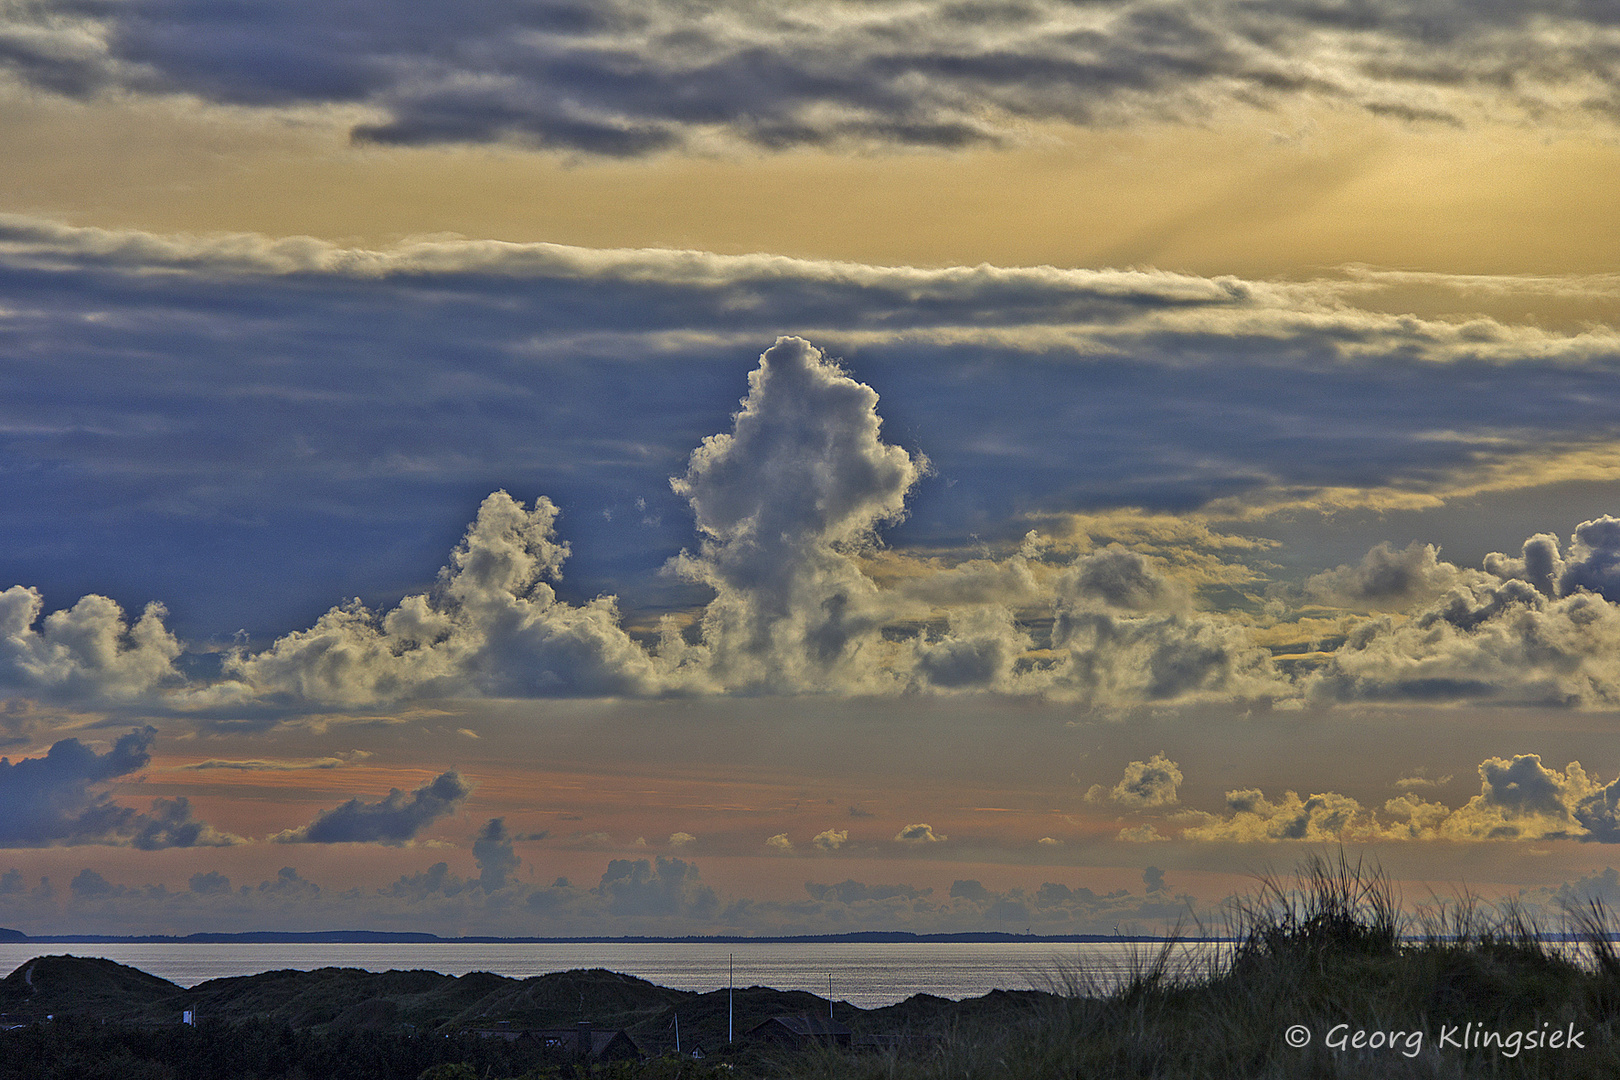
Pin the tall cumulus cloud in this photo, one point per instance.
(785, 503)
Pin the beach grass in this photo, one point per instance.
(1451, 989)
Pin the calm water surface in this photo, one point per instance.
(866, 974)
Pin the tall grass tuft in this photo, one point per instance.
(1334, 909)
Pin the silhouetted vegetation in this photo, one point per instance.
(1439, 993)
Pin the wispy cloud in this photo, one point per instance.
(280, 764)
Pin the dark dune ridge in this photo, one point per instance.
(99, 990)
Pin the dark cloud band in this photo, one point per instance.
(623, 79)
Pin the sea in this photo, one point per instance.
(865, 974)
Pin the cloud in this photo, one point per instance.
(49, 800)
(87, 651)
(1118, 577)
(779, 842)
(701, 305)
(1323, 818)
(492, 627)
(918, 834)
(979, 650)
(1385, 579)
(1049, 841)
(1520, 799)
(830, 839)
(435, 881)
(1146, 784)
(1592, 563)
(667, 887)
(1055, 907)
(789, 591)
(1141, 834)
(617, 79)
(210, 883)
(681, 839)
(52, 800)
(89, 885)
(171, 825)
(1485, 639)
(1115, 642)
(1577, 895)
(785, 502)
(493, 852)
(281, 764)
(1153, 878)
(395, 820)
(855, 892)
(969, 890)
(1418, 780)
(18, 721)
(289, 888)
(1535, 628)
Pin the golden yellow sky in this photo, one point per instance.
(1248, 193)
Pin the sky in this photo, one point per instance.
(579, 468)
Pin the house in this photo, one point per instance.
(802, 1030)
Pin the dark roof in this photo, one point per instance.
(806, 1026)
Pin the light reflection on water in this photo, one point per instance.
(866, 974)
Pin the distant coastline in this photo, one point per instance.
(386, 937)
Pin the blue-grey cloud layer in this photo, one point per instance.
(249, 430)
(624, 78)
(246, 431)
